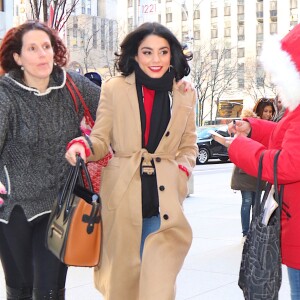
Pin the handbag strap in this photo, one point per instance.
(73, 89)
(256, 208)
(278, 194)
(259, 205)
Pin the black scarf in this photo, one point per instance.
(161, 111)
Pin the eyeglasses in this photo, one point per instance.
(265, 100)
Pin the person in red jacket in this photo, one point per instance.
(281, 58)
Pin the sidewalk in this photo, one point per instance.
(210, 271)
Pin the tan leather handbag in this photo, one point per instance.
(74, 230)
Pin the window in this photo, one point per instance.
(1, 5)
(110, 34)
(130, 3)
(259, 10)
(293, 4)
(241, 83)
(259, 32)
(240, 52)
(168, 0)
(227, 29)
(185, 36)
(214, 54)
(258, 49)
(95, 40)
(184, 15)
(227, 11)
(240, 9)
(130, 24)
(196, 14)
(227, 53)
(273, 28)
(75, 27)
(273, 5)
(169, 17)
(103, 34)
(159, 18)
(214, 12)
(259, 81)
(241, 69)
(241, 33)
(197, 34)
(214, 33)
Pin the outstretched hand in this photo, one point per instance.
(239, 127)
(187, 85)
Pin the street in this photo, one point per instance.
(210, 271)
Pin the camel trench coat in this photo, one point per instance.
(121, 273)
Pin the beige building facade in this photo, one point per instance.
(232, 31)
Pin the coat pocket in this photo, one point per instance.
(182, 185)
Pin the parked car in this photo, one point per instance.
(208, 147)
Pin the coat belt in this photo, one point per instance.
(127, 173)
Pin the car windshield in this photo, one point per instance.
(203, 133)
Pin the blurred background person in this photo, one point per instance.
(247, 184)
(280, 110)
(264, 109)
(94, 77)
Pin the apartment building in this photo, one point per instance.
(6, 11)
(91, 36)
(233, 30)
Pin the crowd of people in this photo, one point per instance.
(146, 115)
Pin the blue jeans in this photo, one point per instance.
(294, 279)
(248, 199)
(149, 225)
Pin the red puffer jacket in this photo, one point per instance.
(269, 137)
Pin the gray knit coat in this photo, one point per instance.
(35, 129)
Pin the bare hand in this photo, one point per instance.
(71, 153)
(239, 128)
(187, 85)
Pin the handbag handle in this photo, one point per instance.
(71, 183)
(278, 196)
(72, 87)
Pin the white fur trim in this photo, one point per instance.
(283, 72)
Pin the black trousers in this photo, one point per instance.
(25, 260)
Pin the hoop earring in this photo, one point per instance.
(170, 66)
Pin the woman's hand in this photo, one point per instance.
(187, 85)
(3, 192)
(75, 147)
(239, 127)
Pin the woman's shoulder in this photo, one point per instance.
(115, 81)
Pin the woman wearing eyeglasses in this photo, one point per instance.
(264, 109)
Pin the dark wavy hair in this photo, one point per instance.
(261, 104)
(13, 42)
(125, 60)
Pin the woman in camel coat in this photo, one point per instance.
(146, 235)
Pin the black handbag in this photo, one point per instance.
(74, 231)
(260, 271)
